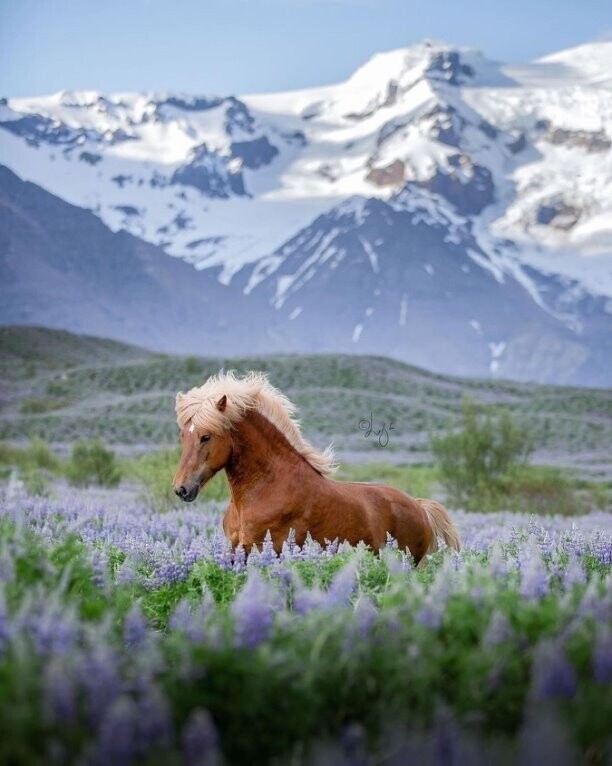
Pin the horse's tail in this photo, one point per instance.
(441, 525)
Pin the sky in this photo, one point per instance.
(252, 46)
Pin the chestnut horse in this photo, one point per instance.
(279, 481)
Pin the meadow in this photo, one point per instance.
(133, 636)
(130, 633)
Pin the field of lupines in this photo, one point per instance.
(129, 636)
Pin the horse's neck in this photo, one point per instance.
(260, 456)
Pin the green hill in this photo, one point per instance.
(62, 386)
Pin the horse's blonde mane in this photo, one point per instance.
(251, 392)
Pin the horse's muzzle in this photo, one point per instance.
(187, 495)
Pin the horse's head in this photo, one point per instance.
(203, 455)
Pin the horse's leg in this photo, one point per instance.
(254, 533)
(231, 524)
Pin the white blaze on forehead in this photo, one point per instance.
(191, 428)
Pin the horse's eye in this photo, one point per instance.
(204, 439)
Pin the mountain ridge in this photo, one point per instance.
(492, 167)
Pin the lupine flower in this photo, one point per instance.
(59, 692)
(431, 615)
(4, 623)
(553, 674)
(98, 671)
(118, 737)
(7, 568)
(574, 573)
(192, 621)
(342, 587)
(154, 720)
(253, 611)
(602, 656)
(534, 577)
(268, 554)
(135, 628)
(365, 615)
(200, 740)
(499, 630)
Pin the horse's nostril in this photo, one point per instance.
(181, 491)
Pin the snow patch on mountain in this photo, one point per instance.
(518, 159)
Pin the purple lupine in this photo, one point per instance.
(200, 740)
(553, 674)
(99, 565)
(192, 621)
(7, 567)
(574, 573)
(307, 600)
(431, 615)
(222, 551)
(497, 562)
(253, 611)
(602, 655)
(98, 674)
(126, 573)
(392, 561)
(365, 616)
(534, 576)
(5, 632)
(239, 560)
(499, 630)
(155, 728)
(59, 692)
(268, 554)
(342, 587)
(135, 628)
(53, 630)
(117, 741)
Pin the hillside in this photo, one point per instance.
(61, 386)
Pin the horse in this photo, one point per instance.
(279, 482)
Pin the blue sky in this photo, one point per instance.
(246, 46)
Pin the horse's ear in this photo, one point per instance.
(222, 403)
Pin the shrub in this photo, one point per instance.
(36, 455)
(193, 365)
(56, 388)
(544, 489)
(92, 463)
(34, 406)
(479, 461)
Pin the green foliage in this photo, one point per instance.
(193, 365)
(37, 454)
(92, 463)
(416, 480)
(36, 405)
(479, 460)
(56, 388)
(153, 472)
(545, 489)
(37, 465)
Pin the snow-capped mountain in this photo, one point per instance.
(436, 206)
